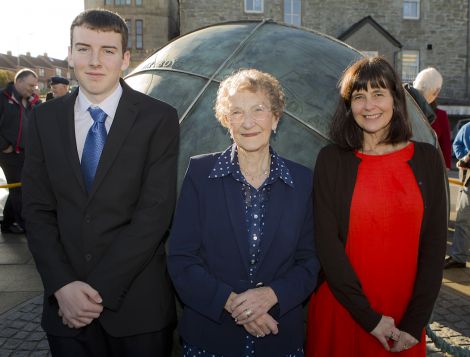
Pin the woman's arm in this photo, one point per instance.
(196, 286)
(340, 275)
(432, 250)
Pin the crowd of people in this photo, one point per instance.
(253, 235)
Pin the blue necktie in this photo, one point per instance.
(94, 144)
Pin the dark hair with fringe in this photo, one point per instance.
(101, 20)
(344, 130)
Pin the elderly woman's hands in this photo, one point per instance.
(251, 304)
(385, 330)
(404, 342)
(262, 326)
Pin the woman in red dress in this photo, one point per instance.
(380, 224)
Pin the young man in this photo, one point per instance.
(99, 190)
(16, 103)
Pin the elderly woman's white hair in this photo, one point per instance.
(429, 83)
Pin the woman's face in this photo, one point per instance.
(372, 110)
(250, 120)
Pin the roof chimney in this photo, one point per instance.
(9, 53)
(28, 54)
(45, 54)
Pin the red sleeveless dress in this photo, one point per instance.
(382, 246)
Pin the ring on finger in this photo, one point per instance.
(248, 312)
(405, 346)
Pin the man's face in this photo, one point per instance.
(59, 89)
(98, 60)
(26, 85)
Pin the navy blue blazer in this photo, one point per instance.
(208, 258)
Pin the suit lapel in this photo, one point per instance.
(67, 128)
(126, 114)
(278, 201)
(236, 211)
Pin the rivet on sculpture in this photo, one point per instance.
(186, 74)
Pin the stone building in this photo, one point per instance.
(411, 34)
(151, 23)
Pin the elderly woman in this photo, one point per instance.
(380, 223)
(429, 83)
(241, 250)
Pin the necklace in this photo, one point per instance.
(254, 177)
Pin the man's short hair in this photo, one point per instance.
(23, 73)
(101, 20)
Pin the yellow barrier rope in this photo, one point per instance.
(11, 185)
(455, 181)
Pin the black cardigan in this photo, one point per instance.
(334, 181)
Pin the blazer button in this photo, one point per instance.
(88, 257)
(87, 218)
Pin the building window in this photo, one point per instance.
(41, 72)
(411, 9)
(292, 12)
(58, 72)
(129, 35)
(120, 2)
(138, 2)
(255, 6)
(139, 27)
(370, 53)
(410, 65)
(108, 2)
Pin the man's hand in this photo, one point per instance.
(262, 326)
(79, 304)
(8, 150)
(251, 304)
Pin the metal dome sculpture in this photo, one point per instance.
(186, 74)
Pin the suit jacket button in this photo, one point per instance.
(87, 218)
(88, 257)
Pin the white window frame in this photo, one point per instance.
(41, 72)
(129, 33)
(253, 10)
(58, 71)
(410, 70)
(139, 35)
(289, 15)
(412, 16)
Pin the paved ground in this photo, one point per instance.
(20, 303)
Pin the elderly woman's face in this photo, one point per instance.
(372, 110)
(250, 120)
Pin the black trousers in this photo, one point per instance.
(94, 341)
(12, 165)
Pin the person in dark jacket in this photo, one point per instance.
(380, 223)
(16, 103)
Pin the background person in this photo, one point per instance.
(59, 86)
(459, 252)
(16, 103)
(99, 191)
(380, 223)
(429, 83)
(241, 250)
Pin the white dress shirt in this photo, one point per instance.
(83, 119)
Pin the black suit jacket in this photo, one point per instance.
(112, 237)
